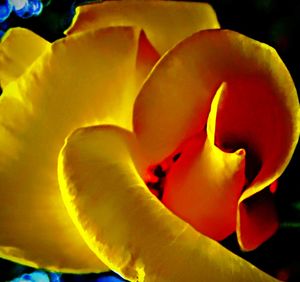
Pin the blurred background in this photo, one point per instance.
(274, 22)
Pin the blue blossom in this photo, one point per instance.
(37, 276)
(27, 8)
(5, 9)
(22, 8)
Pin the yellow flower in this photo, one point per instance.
(136, 85)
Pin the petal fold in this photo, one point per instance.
(257, 220)
(126, 226)
(19, 48)
(256, 217)
(204, 185)
(165, 22)
(83, 79)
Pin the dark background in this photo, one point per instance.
(273, 22)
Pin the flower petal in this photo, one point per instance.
(19, 48)
(261, 114)
(174, 103)
(256, 216)
(126, 226)
(146, 58)
(165, 23)
(257, 220)
(204, 185)
(83, 79)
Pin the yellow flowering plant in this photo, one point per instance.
(139, 140)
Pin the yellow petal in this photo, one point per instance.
(126, 226)
(83, 79)
(165, 22)
(174, 103)
(205, 183)
(19, 48)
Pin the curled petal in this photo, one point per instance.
(126, 226)
(165, 23)
(19, 48)
(174, 103)
(75, 83)
(257, 220)
(204, 185)
(263, 118)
